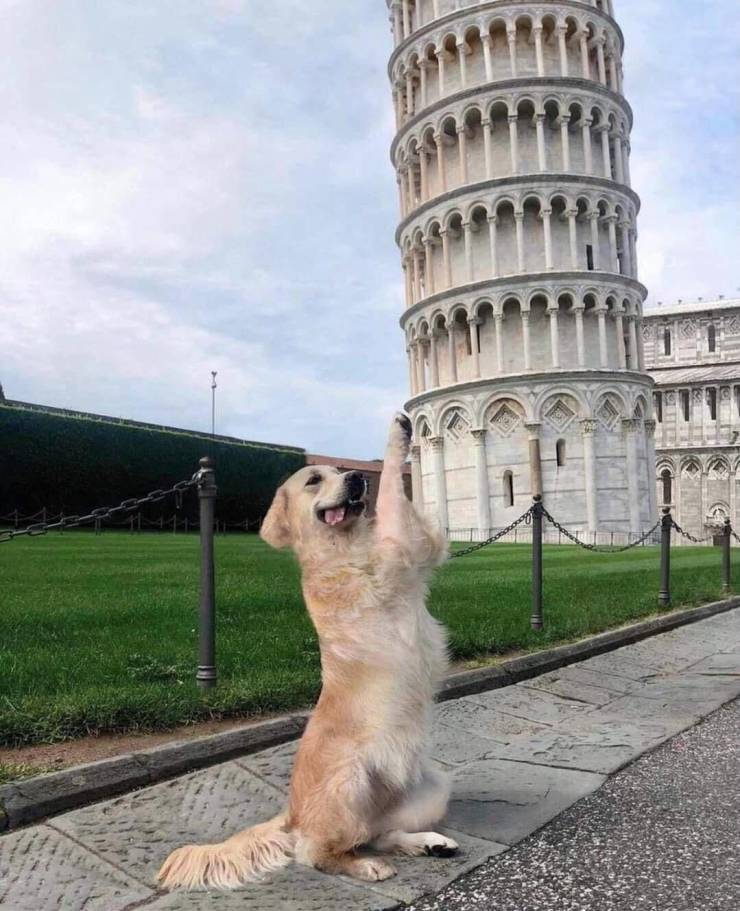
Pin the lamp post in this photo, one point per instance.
(214, 386)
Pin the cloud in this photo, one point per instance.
(207, 186)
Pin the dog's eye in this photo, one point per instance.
(313, 480)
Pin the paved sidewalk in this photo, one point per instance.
(662, 835)
(520, 755)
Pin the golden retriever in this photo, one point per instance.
(361, 775)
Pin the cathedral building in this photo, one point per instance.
(693, 353)
(523, 311)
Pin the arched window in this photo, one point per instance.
(667, 480)
(711, 338)
(508, 488)
(560, 453)
(666, 341)
(712, 402)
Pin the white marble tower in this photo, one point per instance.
(523, 310)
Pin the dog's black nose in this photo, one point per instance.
(355, 485)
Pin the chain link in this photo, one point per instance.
(598, 548)
(526, 517)
(102, 512)
(688, 536)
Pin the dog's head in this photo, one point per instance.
(317, 500)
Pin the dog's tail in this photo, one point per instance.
(244, 858)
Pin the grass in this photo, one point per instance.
(98, 634)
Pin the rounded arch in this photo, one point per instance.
(451, 418)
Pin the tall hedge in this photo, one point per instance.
(73, 463)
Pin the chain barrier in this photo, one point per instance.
(525, 517)
(104, 512)
(599, 548)
(689, 536)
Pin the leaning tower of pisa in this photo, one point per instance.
(523, 311)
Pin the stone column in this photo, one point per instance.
(624, 230)
(611, 221)
(397, 23)
(463, 64)
(573, 234)
(561, 30)
(498, 320)
(594, 219)
(424, 175)
(634, 353)
(588, 156)
(613, 73)
(420, 363)
(604, 130)
(580, 342)
(526, 344)
(434, 358)
(440, 481)
(545, 215)
(539, 122)
(429, 265)
(554, 336)
(452, 352)
(417, 486)
(585, 68)
(423, 80)
(620, 340)
(417, 275)
(412, 370)
(492, 230)
(626, 162)
(519, 219)
(481, 482)
(462, 147)
(537, 32)
(401, 194)
(588, 429)
(514, 142)
(467, 229)
(410, 94)
(406, 19)
(411, 187)
(444, 234)
(441, 165)
(630, 428)
(565, 140)
(601, 311)
(407, 282)
(487, 148)
(441, 55)
(733, 497)
(600, 60)
(650, 458)
(618, 164)
(535, 458)
(473, 323)
(488, 62)
(511, 37)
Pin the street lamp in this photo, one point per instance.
(214, 386)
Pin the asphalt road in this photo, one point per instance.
(662, 835)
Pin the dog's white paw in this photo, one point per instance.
(373, 869)
(439, 845)
(399, 437)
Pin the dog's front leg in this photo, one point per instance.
(398, 522)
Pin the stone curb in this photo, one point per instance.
(30, 800)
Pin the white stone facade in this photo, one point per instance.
(693, 353)
(518, 239)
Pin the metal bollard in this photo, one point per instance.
(537, 619)
(666, 523)
(726, 566)
(206, 676)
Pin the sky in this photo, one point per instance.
(205, 185)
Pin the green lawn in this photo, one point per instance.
(98, 633)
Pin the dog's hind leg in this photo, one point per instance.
(335, 861)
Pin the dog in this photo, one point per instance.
(361, 777)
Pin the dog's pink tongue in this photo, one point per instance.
(334, 516)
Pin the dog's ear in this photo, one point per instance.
(276, 526)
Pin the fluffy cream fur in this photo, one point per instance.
(361, 775)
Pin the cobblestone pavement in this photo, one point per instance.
(520, 756)
(662, 835)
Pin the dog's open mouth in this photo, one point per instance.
(338, 515)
